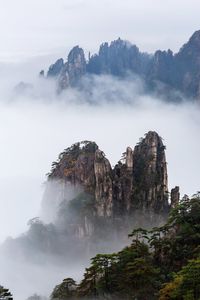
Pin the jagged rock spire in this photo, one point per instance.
(76, 65)
(175, 196)
(138, 183)
(169, 74)
(70, 72)
(150, 174)
(56, 68)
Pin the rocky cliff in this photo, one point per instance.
(137, 185)
(163, 71)
(117, 59)
(70, 72)
(90, 207)
(187, 62)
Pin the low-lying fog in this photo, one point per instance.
(36, 126)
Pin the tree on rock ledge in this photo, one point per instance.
(65, 290)
(5, 294)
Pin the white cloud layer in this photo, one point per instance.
(35, 128)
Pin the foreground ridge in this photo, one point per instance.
(159, 264)
(138, 184)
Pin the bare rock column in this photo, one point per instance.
(175, 196)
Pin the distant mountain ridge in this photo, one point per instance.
(161, 71)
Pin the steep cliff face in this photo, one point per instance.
(175, 196)
(141, 182)
(188, 66)
(103, 187)
(123, 184)
(69, 73)
(161, 68)
(56, 68)
(76, 166)
(150, 174)
(84, 166)
(76, 65)
(138, 183)
(117, 59)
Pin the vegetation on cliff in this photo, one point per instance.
(139, 182)
(162, 263)
(5, 294)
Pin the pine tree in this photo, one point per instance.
(5, 294)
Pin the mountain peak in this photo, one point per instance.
(75, 54)
(195, 37)
(192, 45)
(137, 182)
(179, 72)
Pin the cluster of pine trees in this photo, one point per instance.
(162, 263)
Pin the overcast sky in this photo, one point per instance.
(32, 27)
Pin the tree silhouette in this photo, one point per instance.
(5, 294)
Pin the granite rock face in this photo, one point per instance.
(175, 196)
(138, 183)
(76, 65)
(150, 174)
(161, 68)
(69, 73)
(84, 166)
(187, 61)
(141, 182)
(103, 185)
(76, 165)
(56, 68)
(118, 58)
(163, 71)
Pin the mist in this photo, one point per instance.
(36, 125)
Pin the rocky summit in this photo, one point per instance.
(69, 73)
(135, 189)
(163, 71)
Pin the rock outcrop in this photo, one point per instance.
(118, 58)
(56, 68)
(69, 73)
(187, 62)
(175, 196)
(138, 183)
(103, 185)
(163, 71)
(141, 182)
(161, 68)
(76, 65)
(84, 166)
(150, 174)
